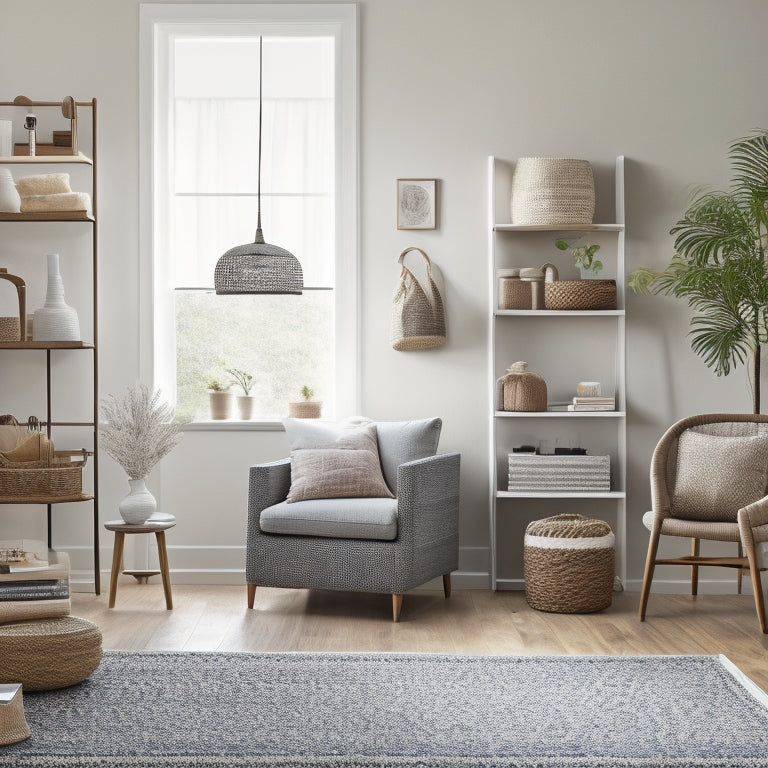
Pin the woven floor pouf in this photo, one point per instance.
(44, 654)
(568, 564)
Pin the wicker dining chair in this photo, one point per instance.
(709, 479)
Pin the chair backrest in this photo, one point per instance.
(401, 441)
(711, 465)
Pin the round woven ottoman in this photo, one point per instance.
(44, 654)
(568, 564)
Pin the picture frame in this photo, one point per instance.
(417, 203)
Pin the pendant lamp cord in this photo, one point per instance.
(259, 233)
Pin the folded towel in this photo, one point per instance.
(62, 201)
(43, 184)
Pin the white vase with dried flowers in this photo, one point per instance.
(137, 429)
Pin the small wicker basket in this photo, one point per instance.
(569, 564)
(580, 294)
(305, 409)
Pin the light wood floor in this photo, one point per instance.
(215, 618)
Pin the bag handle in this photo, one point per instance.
(426, 258)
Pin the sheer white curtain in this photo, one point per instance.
(215, 156)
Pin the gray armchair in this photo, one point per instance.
(385, 545)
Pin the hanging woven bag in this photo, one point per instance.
(418, 315)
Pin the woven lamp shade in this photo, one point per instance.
(258, 267)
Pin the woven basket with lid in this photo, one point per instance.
(569, 564)
(521, 390)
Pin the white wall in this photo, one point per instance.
(444, 83)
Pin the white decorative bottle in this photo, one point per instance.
(10, 201)
(56, 320)
(139, 505)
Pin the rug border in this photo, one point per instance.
(746, 681)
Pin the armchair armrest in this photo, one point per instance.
(428, 499)
(753, 521)
(268, 484)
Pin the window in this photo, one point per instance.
(201, 168)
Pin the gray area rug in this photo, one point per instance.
(294, 710)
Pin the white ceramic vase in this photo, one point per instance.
(10, 201)
(221, 404)
(56, 320)
(139, 505)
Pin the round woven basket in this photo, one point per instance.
(13, 724)
(44, 654)
(552, 190)
(568, 564)
(580, 294)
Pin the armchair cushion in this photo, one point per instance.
(404, 441)
(346, 466)
(333, 518)
(718, 475)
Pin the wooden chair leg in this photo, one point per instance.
(748, 541)
(695, 549)
(447, 584)
(650, 564)
(397, 604)
(740, 577)
(251, 594)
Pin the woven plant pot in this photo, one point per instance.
(569, 564)
(552, 190)
(306, 409)
(580, 294)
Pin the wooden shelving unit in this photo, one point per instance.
(50, 348)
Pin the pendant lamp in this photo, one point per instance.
(258, 267)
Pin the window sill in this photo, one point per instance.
(233, 425)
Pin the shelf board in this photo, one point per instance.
(45, 499)
(48, 216)
(559, 414)
(560, 495)
(558, 227)
(559, 312)
(46, 345)
(43, 159)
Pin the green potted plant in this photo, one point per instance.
(720, 267)
(583, 257)
(220, 399)
(588, 293)
(307, 408)
(244, 401)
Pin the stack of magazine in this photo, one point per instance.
(34, 581)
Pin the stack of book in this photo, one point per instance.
(593, 404)
(34, 581)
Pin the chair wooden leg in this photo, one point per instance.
(740, 577)
(397, 604)
(748, 541)
(447, 584)
(251, 594)
(695, 549)
(650, 564)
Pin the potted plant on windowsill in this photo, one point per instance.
(220, 399)
(306, 408)
(244, 401)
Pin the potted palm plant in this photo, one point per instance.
(720, 267)
(244, 401)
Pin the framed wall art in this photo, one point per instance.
(417, 203)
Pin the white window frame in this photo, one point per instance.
(158, 24)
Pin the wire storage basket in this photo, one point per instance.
(552, 190)
(569, 564)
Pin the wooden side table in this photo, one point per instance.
(120, 529)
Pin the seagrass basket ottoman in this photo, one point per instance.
(568, 564)
(44, 654)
